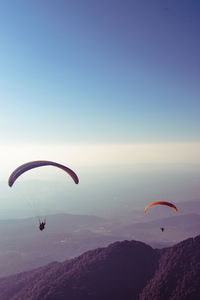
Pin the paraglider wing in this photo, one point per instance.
(161, 203)
(35, 164)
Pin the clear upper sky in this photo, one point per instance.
(104, 71)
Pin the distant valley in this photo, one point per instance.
(23, 247)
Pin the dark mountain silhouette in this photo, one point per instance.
(123, 270)
(178, 273)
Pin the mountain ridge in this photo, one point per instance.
(122, 270)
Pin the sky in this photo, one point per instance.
(97, 72)
(97, 83)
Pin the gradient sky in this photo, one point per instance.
(103, 84)
(99, 72)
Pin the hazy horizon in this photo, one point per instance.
(103, 191)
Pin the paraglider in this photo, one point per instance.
(161, 203)
(39, 163)
(42, 224)
(35, 164)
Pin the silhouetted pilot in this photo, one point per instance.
(162, 229)
(42, 225)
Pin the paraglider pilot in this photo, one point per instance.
(42, 224)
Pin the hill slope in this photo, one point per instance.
(178, 273)
(123, 270)
(114, 272)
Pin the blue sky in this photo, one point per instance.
(99, 71)
(107, 73)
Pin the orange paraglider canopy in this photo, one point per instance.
(161, 203)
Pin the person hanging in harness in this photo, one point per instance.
(42, 224)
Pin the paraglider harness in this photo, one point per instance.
(42, 224)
